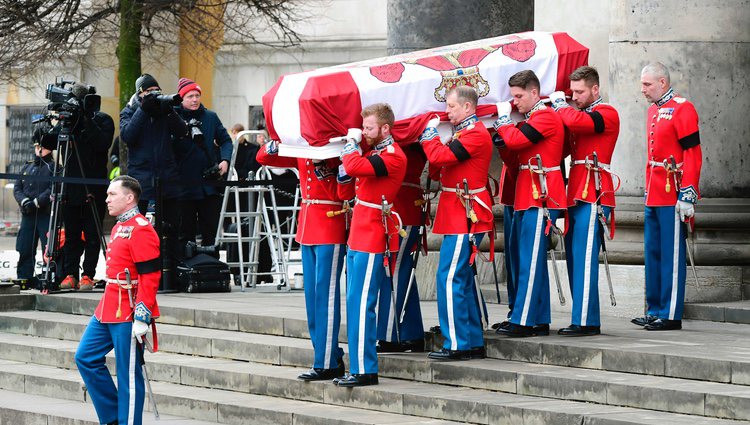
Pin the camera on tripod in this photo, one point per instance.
(67, 102)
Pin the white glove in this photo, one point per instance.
(272, 147)
(686, 209)
(140, 329)
(350, 147)
(503, 114)
(558, 100)
(354, 134)
(433, 122)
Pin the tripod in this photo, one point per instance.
(65, 145)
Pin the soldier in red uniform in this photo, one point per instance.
(462, 161)
(378, 172)
(594, 128)
(321, 240)
(395, 336)
(539, 199)
(672, 173)
(125, 312)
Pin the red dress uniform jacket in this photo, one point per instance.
(317, 183)
(594, 129)
(466, 156)
(672, 129)
(542, 133)
(411, 188)
(378, 172)
(133, 244)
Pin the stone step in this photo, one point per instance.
(734, 311)
(18, 408)
(14, 302)
(294, 401)
(594, 386)
(715, 352)
(203, 404)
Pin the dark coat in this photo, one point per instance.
(35, 189)
(192, 159)
(150, 148)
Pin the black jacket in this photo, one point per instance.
(35, 189)
(150, 155)
(193, 159)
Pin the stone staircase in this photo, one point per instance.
(233, 359)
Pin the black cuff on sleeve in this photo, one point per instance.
(531, 133)
(691, 140)
(149, 266)
(598, 121)
(459, 150)
(378, 165)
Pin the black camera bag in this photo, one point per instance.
(203, 273)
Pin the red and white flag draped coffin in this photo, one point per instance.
(307, 109)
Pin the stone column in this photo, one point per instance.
(422, 24)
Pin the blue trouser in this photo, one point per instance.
(412, 327)
(321, 267)
(124, 403)
(510, 266)
(532, 293)
(664, 240)
(33, 229)
(460, 303)
(582, 244)
(365, 278)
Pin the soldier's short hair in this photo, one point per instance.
(586, 73)
(657, 69)
(383, 113)
(465, 94)
(526, 80)
(130, 184)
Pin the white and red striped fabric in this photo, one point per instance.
(309, 108)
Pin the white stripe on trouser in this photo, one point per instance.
(587, 266)
(395, 279)
(331, 305)
(675, 260)
(363, 311)
(449, 291)
(131, 380)
(532, 268)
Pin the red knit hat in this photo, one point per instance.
(185, 85)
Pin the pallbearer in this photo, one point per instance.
(594, 127)
(409, 205)
(377, 168)
(539, 201)
(463, 163)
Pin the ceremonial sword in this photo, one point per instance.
(422, 230)
(385, 209)
(142, 349)
(604, 229)
(471, 217)
(553, 226)
(689, 234)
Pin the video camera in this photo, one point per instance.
(192, 249)
(67, 102)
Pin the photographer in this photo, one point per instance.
(34, 199)
(198, 158)
(92, 133)
(148, 126)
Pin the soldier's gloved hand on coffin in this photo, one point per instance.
(430, 131)
(558, 100)
(685, 209)
(139, 329)
(503, 114)
(354, 134)
(434, 122)
(351, 146)
(342, 177)
(272, 147)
